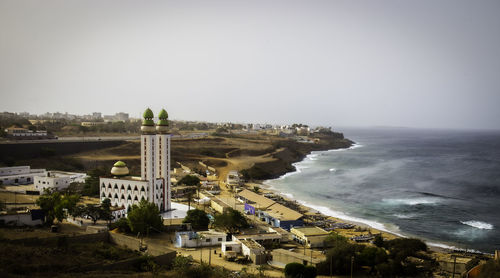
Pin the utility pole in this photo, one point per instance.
(454, 264)
(201, 255)
(352, 264)
(331, 266)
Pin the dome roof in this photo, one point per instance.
(120, 164)
(119, 169)
(163, 115)
(148, 114)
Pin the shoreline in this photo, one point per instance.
(340, 216)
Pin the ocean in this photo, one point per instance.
(438, 185)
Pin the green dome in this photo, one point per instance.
(148, 122)
(162, 122)
(148, 114)
(120, 164)
(163, 115)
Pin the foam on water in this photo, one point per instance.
(412, 201)
(478, 224)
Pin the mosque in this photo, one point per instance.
(154, 183)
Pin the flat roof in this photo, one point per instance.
(281, 212)
(311, 231)
(260, 200)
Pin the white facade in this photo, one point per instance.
(154, 183)
(192, 239)
(19, 175)
(57, 180)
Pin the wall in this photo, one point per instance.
(135, 243)
(20, 219)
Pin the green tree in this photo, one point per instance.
(95, 212)
(189, 180)
(91, 186)
(198, 219)
(310, 272)
(55, 205)
(231, 221)
(294, 270)
(144, 217)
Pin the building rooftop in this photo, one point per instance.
(261, 201)
(310, 231)
(281, 212)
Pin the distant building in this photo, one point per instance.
(154, 183)
(24, 133)
(245, 247)
(118, 117)
(57, 180)
(92, 123)
(19, 175)
(233, 179)
(190, 239)
(309, 236)
(32, 217)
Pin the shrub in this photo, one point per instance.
(294, 270)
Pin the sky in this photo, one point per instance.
(426, 63)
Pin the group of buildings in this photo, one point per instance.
(41, 179)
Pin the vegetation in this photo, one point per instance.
(91, 186)
(189, 180)
(490, 269)
(95, 212)
(145, 217)
(231, 221)
(184, 267)
(390, 258)
(198, 219)
(55, 205)
(297, 270)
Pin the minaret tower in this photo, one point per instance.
(148, 137)
(163, 158)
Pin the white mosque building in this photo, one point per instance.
(154, 183)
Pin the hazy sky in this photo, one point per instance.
(432, 63)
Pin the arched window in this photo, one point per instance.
(109, 195)
(142, 188)
(103, 185)
(129, 188)
(122, 197)
(109, 185)
(142, 198)
(129, 198)
(135, 188)
(103, 195)
(116, 196)
(116, 186)
(135, 198)
(123, 187)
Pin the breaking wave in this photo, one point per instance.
(478, 224)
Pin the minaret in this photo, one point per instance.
(163, 157)
(148, 137)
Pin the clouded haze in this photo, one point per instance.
(358, 63)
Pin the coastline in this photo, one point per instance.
(339, 216)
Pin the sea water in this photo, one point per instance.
(440, 186)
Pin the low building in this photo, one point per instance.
(254, 201)
(190, 239)
(282, 257)
(24, 133)
(19, 175)
(218, 205)
(461, 265)
(233, 179)
(92, 123)
(25, 218)
(57, 180)
(268, 239)
(310, 236)
(245, 247)
(278, 215)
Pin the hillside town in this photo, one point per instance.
(206, 214)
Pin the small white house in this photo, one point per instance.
(57, 180)
(190, 239)
(19, 175)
